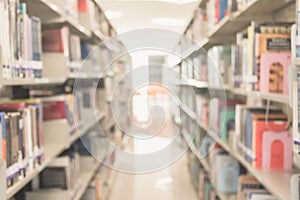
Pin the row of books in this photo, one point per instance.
(61, 41)
(87, 13)
(224, 170)
(260, 60)
(241, 185)
(259, 133)
(22, 137)
(267, 57)
(20, 41)
(210, 14)
(226, 177)
(22, 127)
(93, 18)
(61, 175)
(24, 45)
(263, 138)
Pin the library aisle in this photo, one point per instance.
(171, 183)
(150, 99)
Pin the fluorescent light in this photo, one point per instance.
(180, 2)
(113, 14)
(168, 21)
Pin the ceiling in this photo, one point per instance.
(135, 14)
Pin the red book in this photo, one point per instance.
(54, 110)
(56, 40)
(12, 106)
(82, 6)
(217, 11)
(259, 128)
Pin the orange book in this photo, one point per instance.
(259, 128)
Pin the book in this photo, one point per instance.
(20, 41)
(277, 151)
(227, 169)
(216, 106)
(57, 174)
(269, 38)
(274, 72)
(259, 128)
(247, 182)
(56, 40)
(23, 130)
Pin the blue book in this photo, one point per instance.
(223, 8)
(3, 134)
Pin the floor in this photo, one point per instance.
(170, 183)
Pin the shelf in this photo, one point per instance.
(205, 165)
(85, 128)
(85, 179)
(224, 87)
(45, 81)
(225, 31)
(189, 112)
(51, 152)
(276, 182)
(296, 160)
(33, 81)
(280, 98)
(53, 16)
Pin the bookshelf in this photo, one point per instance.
(278, 183)
(60, 134)
(86, 176)
(52, 150)
(205, 165)
(225, 33)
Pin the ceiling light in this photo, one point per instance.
(180, 2)
(113, 14)
(168, 21)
